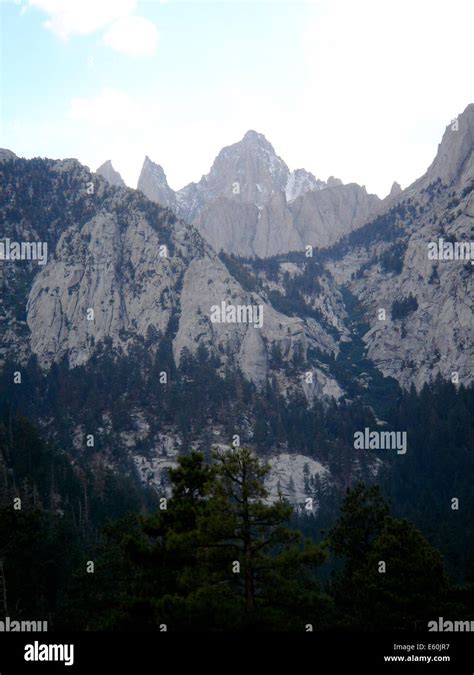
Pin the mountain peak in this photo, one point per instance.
(255, 141)
(395, 189)
(252, 135)
(454, 161)
(107, 171)
(156, 169)
(154, 185)
(248, 171)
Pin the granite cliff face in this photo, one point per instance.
(207, 283)
(324, 216)
(105, 281)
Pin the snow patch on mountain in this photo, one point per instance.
(301, 181)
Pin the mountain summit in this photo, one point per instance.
(249, 170)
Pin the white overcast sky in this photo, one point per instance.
(362, 90)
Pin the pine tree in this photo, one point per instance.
(245, 528)
(392, 576)
(401, 581)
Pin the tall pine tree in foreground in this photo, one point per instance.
(235, 563)
(269, 571)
